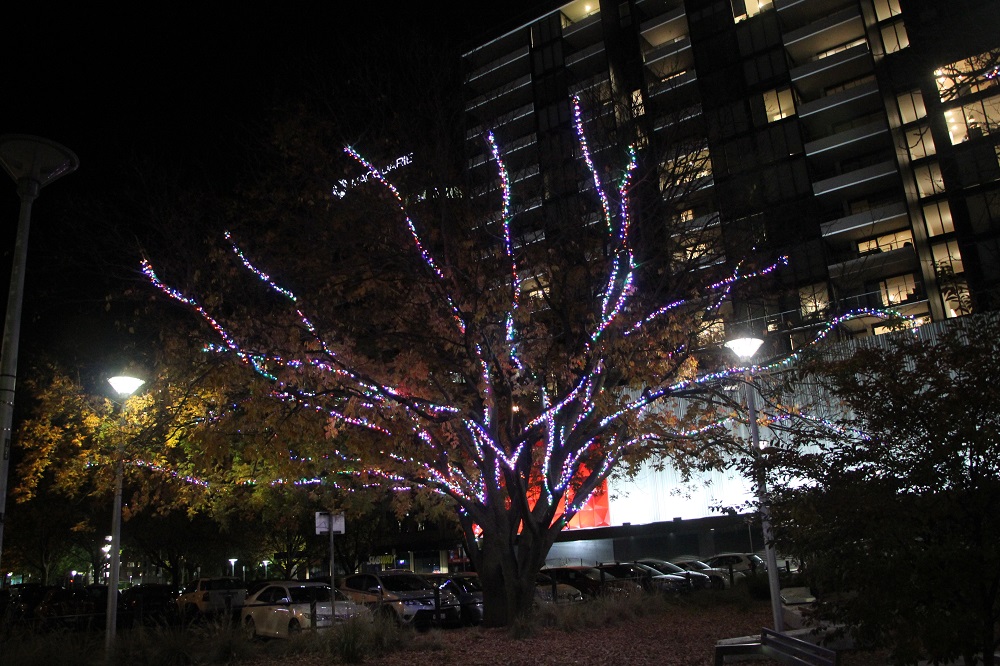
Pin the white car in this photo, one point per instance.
(405, 597)
(286, 607)
(748, 563)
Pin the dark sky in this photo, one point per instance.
(171, 82)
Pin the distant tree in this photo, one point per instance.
(894, 506)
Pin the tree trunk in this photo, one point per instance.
(507, 564)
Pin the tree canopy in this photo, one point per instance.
(893, 505)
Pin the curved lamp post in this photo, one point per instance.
(33, 163)
(745, 348)
(124, 386)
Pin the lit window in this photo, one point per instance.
(911, 106)
(886, 9)
(744, 9)
(968, 76)
(638, 108)
(919, 142)
(778, 104)
(948, 254)
(685, 168)
(973, 120)
(937, 215)
(929, 179)
(886, 242)
(711, 333)
(814, 300)
(894, 37)
(897, 290)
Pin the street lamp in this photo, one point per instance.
(232, 565)
(265, 563)
(745, 348)
(33, 163)
(124, 386)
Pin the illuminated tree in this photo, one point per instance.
(510, 376)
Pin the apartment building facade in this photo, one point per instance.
(858, 137)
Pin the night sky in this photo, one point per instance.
(170, 83)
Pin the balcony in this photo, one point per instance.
(826, 152)
(512, 123)
(587, 62)
(512, 95)
(497, 72)
(680, 84)
(825, 34)
(799, 12)
(583, 32)
(826, 112)
(670, 57)
(812, 78)
(867, 223)
(859, 182)
(665, 28)
(875, 265)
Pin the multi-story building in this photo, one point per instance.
(861, 138)
(858, 137)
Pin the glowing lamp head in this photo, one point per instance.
(745, 348)
(125, 385)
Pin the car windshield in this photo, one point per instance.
(696, 565)
(665, 567)
(404, 583)
(223, 584)
(308, 594)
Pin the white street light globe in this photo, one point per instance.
(745, 347)
(125, 385)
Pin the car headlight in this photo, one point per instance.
(414, 602)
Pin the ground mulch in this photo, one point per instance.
(685, 636)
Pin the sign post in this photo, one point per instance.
(330, 523)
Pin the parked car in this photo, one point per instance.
(405, 597)
(72, 608)
(699, 580)
(467, 589)
(748, 563)
(549, 591)
(150, 604)
(24, 599)
(286, 607)
(720, 577)
(649, 578)
(211, 596)
(593, 582)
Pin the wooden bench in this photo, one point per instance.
(780, 647)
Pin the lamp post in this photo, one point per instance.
(124, 386)
(745, 348)
(232, 566)
(265, 563)
(33, 163)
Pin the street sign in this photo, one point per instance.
(323, 520)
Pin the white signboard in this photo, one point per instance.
(323, 523)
